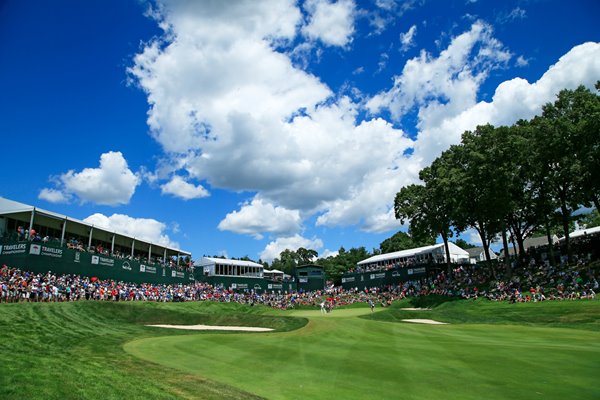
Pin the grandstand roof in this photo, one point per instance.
(11, 207)
(226, 261)
(583, 232)
(454, 250)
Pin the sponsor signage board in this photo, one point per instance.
(177, 274)
(13, 249)
(412, 271)
(105, 261)
(41, 250)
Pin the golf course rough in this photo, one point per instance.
(344, 355)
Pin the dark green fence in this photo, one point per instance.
(241, 284)
(371, 279)
(40, 258)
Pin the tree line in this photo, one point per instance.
(512, 181)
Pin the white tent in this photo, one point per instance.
(583, 232)
(433, 253)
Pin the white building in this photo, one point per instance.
(225, 267)
(435, 253)
(477, 254)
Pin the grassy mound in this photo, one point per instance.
(580, 314)
(74, 350)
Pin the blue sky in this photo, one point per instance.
(243, 128)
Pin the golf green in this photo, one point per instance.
(343, 356)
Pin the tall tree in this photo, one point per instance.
(427, 208)
(524, 211)
(566, 141)
(477, 178)
(463, 244)
(403, 241)
(306, 256)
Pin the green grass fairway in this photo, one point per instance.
(91, 350)
(342, 356)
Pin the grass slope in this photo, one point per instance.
(489, 351)
(579, 314)
(75, 350)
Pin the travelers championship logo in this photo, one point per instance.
(77, 256)
(107, 262)
(13, 248)
(35, 249)
(127, 266)
(38, 250)
(142, 268)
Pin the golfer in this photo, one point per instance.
(372, 305)
(323, 310)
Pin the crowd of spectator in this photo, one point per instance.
(529, 283)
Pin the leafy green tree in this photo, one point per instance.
(336, 266)
(403, 241)
(590, 220)
(474, 180)
(463, 244)
(565, 147)
(587, 126)
(429, 207)
(306, 256)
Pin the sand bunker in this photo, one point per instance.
(415, 309)
(424, 321)
(214, 328)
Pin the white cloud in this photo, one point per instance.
(521, 62)
(407, 38)
(513, 100)
(142, 228)
(274, 248)
(514, 14)
(178, 187)
(54, 196)
(260, 216)
(473, 237)
(330, 22)
(328, 253)
(112, 183)
(383, 61)
(230, 110)
(447, 84)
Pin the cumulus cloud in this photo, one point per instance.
(112, 183)
(386, 14)
(521, 62)
(513, 100)
(178, 187)
(230, 110)
(407, 38)
(330, 22)
(259, 216)
(274, 248)
(446, 84)
(54, 196)
(328, 253)
(147, 229)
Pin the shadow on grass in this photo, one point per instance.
(431, 301)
